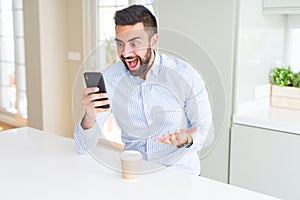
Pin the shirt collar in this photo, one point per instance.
(156, 64)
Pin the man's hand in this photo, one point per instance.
(89, 103)
(178, 137)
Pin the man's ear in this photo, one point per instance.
(154, 40)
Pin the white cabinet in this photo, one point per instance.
(265, 161)
(281, 6)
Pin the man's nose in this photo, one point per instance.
(127, 51)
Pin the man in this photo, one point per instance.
(159, 101)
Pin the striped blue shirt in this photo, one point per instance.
(173, 96)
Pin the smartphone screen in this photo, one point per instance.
(95, 79)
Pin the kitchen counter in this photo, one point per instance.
(260, 114)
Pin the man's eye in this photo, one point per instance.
(135, 44)
(119, 44)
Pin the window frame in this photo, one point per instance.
(10, 118)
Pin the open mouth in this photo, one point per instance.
(132, 63)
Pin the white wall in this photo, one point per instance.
(33, 66)
(260, 48)
(52, 28)
(54, 63)
(211, 24)
(76, 37)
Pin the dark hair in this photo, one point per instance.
(135, 14)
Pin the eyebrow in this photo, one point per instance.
(118, 40)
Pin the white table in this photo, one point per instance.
(40, 165)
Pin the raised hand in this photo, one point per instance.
(89, 102)
(179, 137)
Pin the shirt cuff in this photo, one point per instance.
(86, 139)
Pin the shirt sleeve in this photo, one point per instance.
(198, 111)
(86, 140)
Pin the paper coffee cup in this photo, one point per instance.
(131, 164)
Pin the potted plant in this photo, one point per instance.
(285, 88)
(296, 80)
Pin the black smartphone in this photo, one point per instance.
(95, 79)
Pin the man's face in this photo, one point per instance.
(134, 48)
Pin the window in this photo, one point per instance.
(105, 31)
(13, 100)
(293, 42)
(104, 36)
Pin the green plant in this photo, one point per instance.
(282, 76)
(296, 80)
